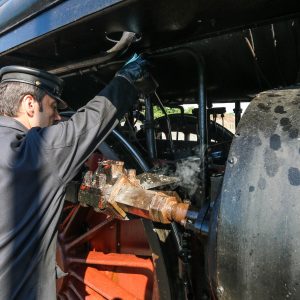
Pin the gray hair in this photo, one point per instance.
(12, 93)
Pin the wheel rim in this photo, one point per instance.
(104, 258)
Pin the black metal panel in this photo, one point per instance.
(258, 231)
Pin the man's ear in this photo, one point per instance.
(27, 105)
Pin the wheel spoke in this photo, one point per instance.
(75, 291)
(89, 234)
(103, 285)
(69, 295)
(71, 218)
(114, 259)
(68, 217)
(68, 207)
(63, 297)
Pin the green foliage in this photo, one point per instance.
(170, 110)
(189, 110)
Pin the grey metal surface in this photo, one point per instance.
(258, 230)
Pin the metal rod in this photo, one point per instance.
(149, 129)
(202, 130)
(238, 112)
(168, 122)
(176, 236)
(122, 45)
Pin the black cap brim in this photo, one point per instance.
(48, 82)
(61, 104)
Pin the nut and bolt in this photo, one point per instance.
(232, 160)
(219, 291)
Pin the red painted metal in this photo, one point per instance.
(103, 284)
(114, 259)
(105, 258)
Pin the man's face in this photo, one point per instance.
(46, 114)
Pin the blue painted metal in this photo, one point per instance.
(56, 17)
(13, 12)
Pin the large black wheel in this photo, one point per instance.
(256, 229)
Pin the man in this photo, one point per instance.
(37, 159)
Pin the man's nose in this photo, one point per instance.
(57, 117)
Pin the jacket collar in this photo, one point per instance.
(12, 123)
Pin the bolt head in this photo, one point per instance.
(220, 291)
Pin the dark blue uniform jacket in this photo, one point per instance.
(35, 166)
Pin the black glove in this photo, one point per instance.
(137, 73)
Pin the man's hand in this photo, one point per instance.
(137, 73)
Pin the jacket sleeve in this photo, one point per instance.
(68, 144)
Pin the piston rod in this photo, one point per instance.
(115, 190)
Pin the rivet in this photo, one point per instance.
(231, 160)
(220, 291)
